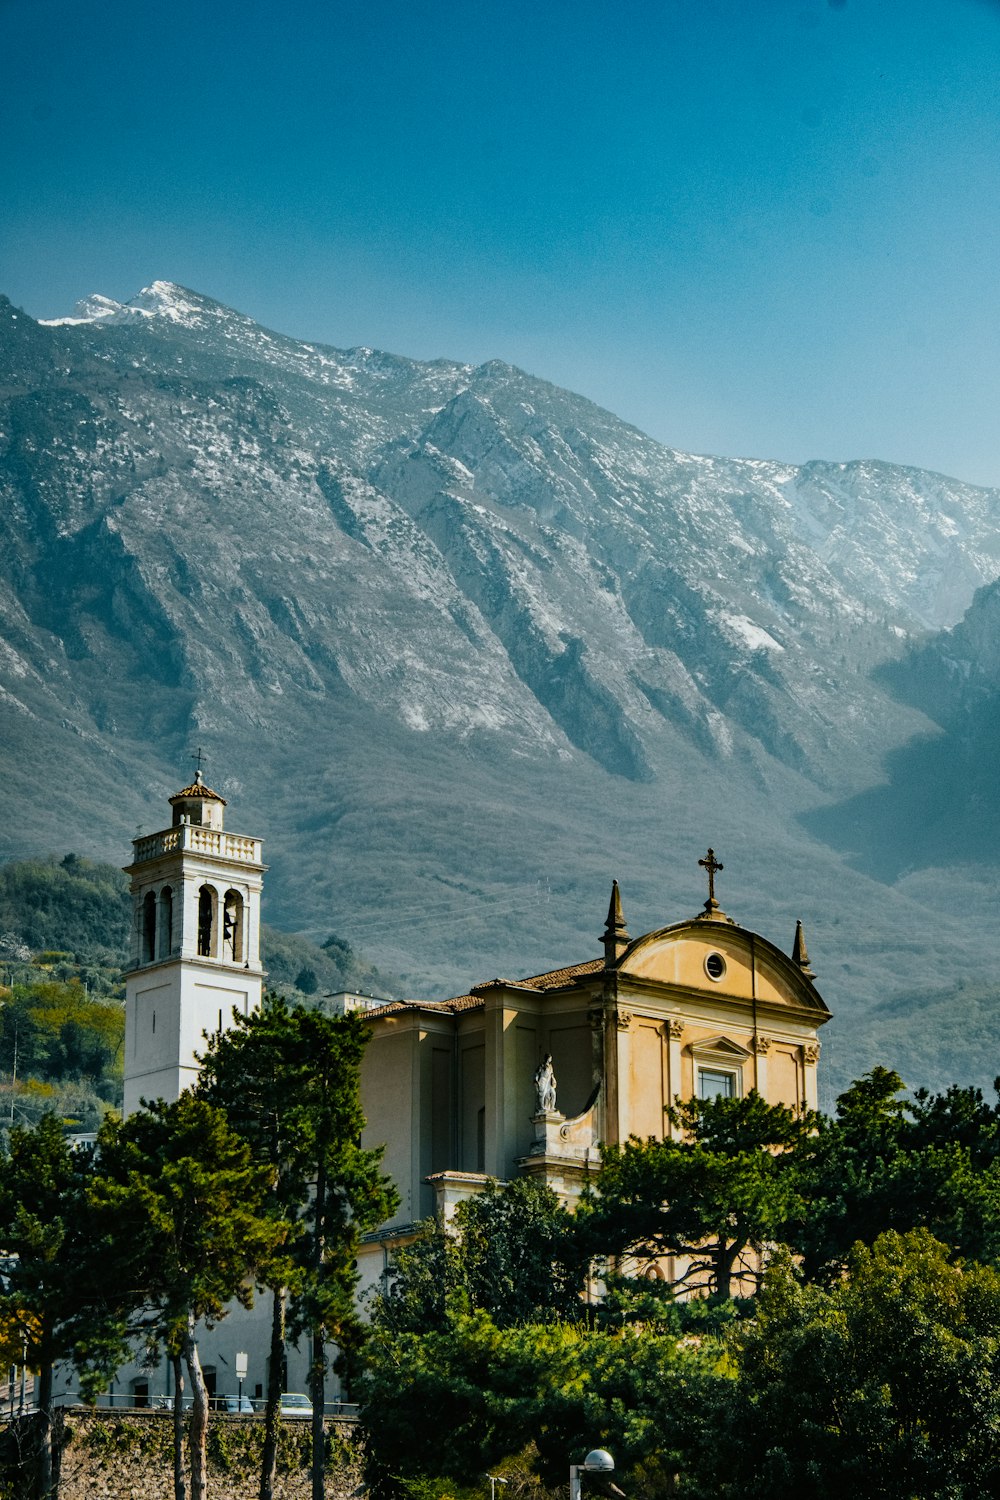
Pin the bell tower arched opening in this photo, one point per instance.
(208, 910)
(166, 938)
(232, 927)
(147, 928)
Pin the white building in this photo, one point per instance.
(195, 943)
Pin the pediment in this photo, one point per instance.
(718, 958)
(721, 1047)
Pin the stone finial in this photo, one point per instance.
(800, 953)
(616, 938)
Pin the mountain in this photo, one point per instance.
(940, 803)
(463, 646)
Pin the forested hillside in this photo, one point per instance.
(64, 927)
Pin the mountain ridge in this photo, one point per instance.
(471, 633)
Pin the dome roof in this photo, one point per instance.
(196, 789)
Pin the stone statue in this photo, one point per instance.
(545, 1086)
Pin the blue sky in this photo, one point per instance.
(749, 226)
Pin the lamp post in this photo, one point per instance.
(598, 1461)
(241, 1375)
(494, 1480)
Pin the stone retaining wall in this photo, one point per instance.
(129, 1456)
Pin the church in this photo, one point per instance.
(528, 1075)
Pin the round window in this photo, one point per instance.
(715, 966)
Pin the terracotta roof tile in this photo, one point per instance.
(556, 978)
(397, 1007)
(197, 789)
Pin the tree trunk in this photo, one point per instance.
(317, 1392)
(178, 1369)
(725, 1262)
(269, 1456)
(46, 1479)
(317, 1366)
(198, 1431)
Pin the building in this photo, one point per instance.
(532, 1075)
(195, 942)
(517, 1076)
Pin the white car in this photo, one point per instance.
(293, 1404)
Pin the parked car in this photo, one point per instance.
(239, 1405)
(293, 1404)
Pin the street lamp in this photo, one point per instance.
(598, 1461)
(494, 1480)
(241, 1375)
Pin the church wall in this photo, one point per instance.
(645, 1094)
(441, 1133)
(529, 1052)
(387, 1087)
(784, 1076)
(569, 1041)
(434, 1141)
(472, 1106)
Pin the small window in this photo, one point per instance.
(716, 1083)
(715, 966)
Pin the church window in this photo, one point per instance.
(232, 927)
(717, 1083)
(207, 901)
(148, 930)
(166, 922)
(715, 966)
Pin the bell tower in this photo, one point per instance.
(195, 942)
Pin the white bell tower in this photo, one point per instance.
(195, 943)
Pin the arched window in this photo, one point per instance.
(166, 944)
(232, 927)
(207, 908)
(147, 929)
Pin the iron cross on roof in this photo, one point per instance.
(200, 758)
(712, 865)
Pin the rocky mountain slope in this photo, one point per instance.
(463, 646)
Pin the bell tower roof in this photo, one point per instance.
(197, 789)
(197, 803)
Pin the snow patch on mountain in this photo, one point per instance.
(743, 630)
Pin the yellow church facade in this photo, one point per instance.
(533, 1075)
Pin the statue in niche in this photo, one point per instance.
(545, 1086)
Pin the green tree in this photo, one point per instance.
(715, 1196)
(553, 1389)
(56, 1302)
(887, 1163)
(885, 1386)
(289, 1080)
(509, 1251)
(185, 1208)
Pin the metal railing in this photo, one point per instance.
(161, 1403)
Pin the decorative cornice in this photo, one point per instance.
(624, 1019)
(675, 1029)
(810, 1053)
(762, 1045)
